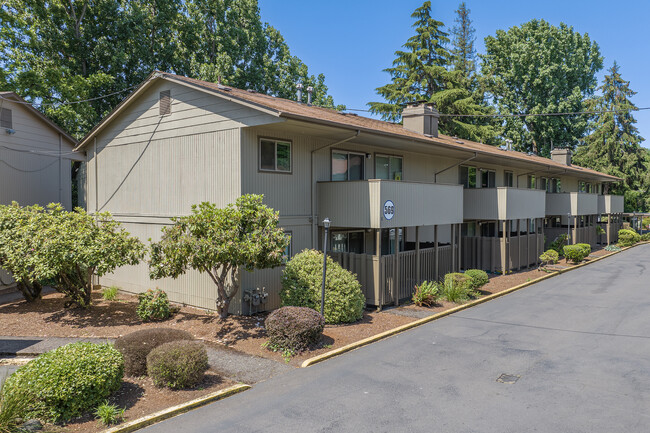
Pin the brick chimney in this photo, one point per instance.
(563, 156)
(421, 118)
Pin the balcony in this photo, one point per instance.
(608, 204)
(575, 203)
(503, 203)
(367, 203)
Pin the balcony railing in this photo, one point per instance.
(608, 204)
(503, 203)
(379, 203)
(575, 203)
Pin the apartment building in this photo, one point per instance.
(405, 203)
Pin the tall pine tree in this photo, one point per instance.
(463, 52)
(422, 72)
(614, 144)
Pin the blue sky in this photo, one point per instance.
(352, 41)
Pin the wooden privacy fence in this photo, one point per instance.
(485, 252)
(382, 284)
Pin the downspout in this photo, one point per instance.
(314, 223)
(96, 179)
(60, 169)
(435, 175)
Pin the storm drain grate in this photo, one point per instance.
(508, 378)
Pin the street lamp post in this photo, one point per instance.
(326, 224)
(568, 230)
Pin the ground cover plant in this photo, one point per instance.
(110, 293)
(301, 287)
(63, 249)
(153, 305)
(479, 278)
(67, 381)
(178, 364)
(458, 287)
(549, 257)
(109, 414)
(136, 346)
(292, 330)
(627, 237)
(221, 242)
(426, 294)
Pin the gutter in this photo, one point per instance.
(314, 223)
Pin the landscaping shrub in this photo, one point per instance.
(109, 413)
(479, 277)
(177, 364)
(68, 381)
(645, 237)
(136, 346)
(153, 305)
(426, 294)
(559, 243)
(110, 293)
(586, 248)
(301, 287)
(627, 238)
(457, 287)
(294, 329)
(549, 257)
(575, 253)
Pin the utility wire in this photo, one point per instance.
(69, 102)
(570, 113)
(40, 152)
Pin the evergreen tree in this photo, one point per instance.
(420, 73)
(463, 52)
(614, 144)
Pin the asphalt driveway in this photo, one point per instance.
(574, 351)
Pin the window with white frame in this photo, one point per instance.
(348, 242)
(468, 176)
(388, 167)
(347, 165)
(488, 178)
(275, 155)
(508, 179)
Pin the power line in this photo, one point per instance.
(69, 102)
(40, 152)
(569, 113)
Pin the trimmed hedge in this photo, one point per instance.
(301, 287)
(586, 248)
(136, 346)
(479, 277)
(153, 305)
(294, 328)
(549, 257)
(575, 253)
(178, 364)
(67, 381)
(627, 238)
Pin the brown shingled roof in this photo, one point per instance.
(289, 108)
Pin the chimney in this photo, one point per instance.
(299, 88)
(309, 92)
(563, 156)
(421, 118)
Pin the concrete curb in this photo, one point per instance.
(399, 329)
(176, 410)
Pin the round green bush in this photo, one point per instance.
(177, 364)
(301, 287)
(627, 238)
(68, 381)
(294, 328)
(153, 305)
(575, 253)
(136, 346)
(479, 277)
(586, 248)
(549, 257)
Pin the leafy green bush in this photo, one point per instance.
(68, 381)
(457, 287)
(586, 248)
(301, 287)
(479, 277)
(294, 329)
(153, 305)
(575, 253)
(136, 346)
(426, 294)
(110, 293)
(549, 257)
(627, 238)
(600, 230)
(109, 414)
(178, 364)
(645, 237)
(559, 243)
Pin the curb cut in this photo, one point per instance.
(399, 329)
(155, 417)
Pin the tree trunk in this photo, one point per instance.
(31, 292)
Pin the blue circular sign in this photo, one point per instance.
(389, 210)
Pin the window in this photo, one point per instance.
(468, 176)
(388, 167)
(165, 103)
(275, 155)
(508, 179)
(488, 230)
(5, 118)
(581, 186)
(348, 242)
(468, 229)
(347, 166)
(388, 241)
(287, 252)
(555, 185)
(488, 179)
(531, 181)
(543, 184)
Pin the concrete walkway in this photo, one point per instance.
(234, 365)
